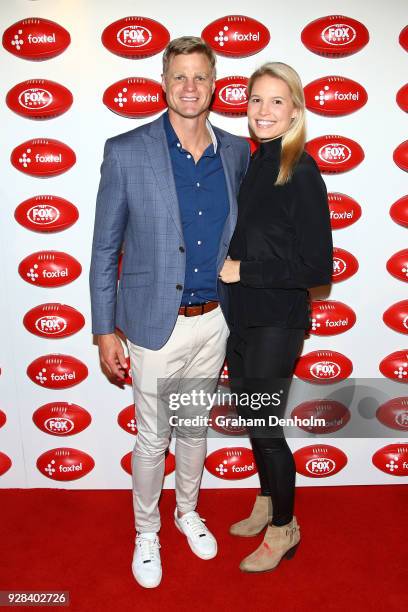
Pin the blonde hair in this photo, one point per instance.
(186, 45)
(294, 139)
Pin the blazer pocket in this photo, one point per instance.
(142, 278)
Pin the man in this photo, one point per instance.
(168, 190)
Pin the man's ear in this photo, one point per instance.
(163, 83)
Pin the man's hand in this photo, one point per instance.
(112, 357)
(230, 271)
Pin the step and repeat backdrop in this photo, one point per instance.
(74, 73)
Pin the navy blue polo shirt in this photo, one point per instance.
(204, 207)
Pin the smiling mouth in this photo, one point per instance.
(263, 123)
(184, 99)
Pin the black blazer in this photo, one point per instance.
(283, 240)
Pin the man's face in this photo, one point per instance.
(189, 84)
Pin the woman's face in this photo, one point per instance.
(270, 108)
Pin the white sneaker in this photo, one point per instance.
(146, 565)
(200, 539)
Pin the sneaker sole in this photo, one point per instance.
(195, 551)
(145, 584)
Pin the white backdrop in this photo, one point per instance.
(87, 68)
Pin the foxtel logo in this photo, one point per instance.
(55, 273)
(145, 98)
(42, 38)
(134, 36)
(341, 215)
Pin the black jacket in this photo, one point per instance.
(283, 240)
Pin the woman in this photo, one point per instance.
(281, 247)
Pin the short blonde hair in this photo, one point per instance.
(293, 141)
(186, 45)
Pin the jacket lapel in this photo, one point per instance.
(158, 153)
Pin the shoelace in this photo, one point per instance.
(197, 525)
(148, 549)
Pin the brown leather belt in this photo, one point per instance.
(197, 309)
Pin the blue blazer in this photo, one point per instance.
(137, 208)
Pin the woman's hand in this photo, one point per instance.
(230, 271)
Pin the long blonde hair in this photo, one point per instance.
(294, 139)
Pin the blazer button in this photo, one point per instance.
(179, 287)
(181, 249)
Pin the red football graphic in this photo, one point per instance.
(135, 97)
(319, 461)
(397, 265)
(53, 320)
(135, 37)
(392, 459)
(403, 38)
(402, 98)
(46, 213)
(399, 211)
(42, 157)
(127, 419)
(394, 413)
(344, 265)
(49, 268)
(400, 156)
(39, 99)
(36, 39)
(344, 211)
(169, 463)
(3, 418)
(57, 371)
(224, 419)
(230, 96)
(231, 463)
(396, 317)
(128, 379)
(335, 153)
(65, 464)
(224, 379)
(395, 366)
(334, 96)
(253, 144)
(335, 36)
(61, 418)
(5, 463)
(335, 414)
(236, 36)
(323, 367)
(331, 317)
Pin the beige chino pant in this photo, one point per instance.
(190, 360)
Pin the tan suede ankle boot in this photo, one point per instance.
(260, 516)
(278, 542)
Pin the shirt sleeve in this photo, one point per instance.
(312, 262)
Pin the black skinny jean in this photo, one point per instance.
(261, 360)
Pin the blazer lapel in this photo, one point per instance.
(228, 162)
(158, 154)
